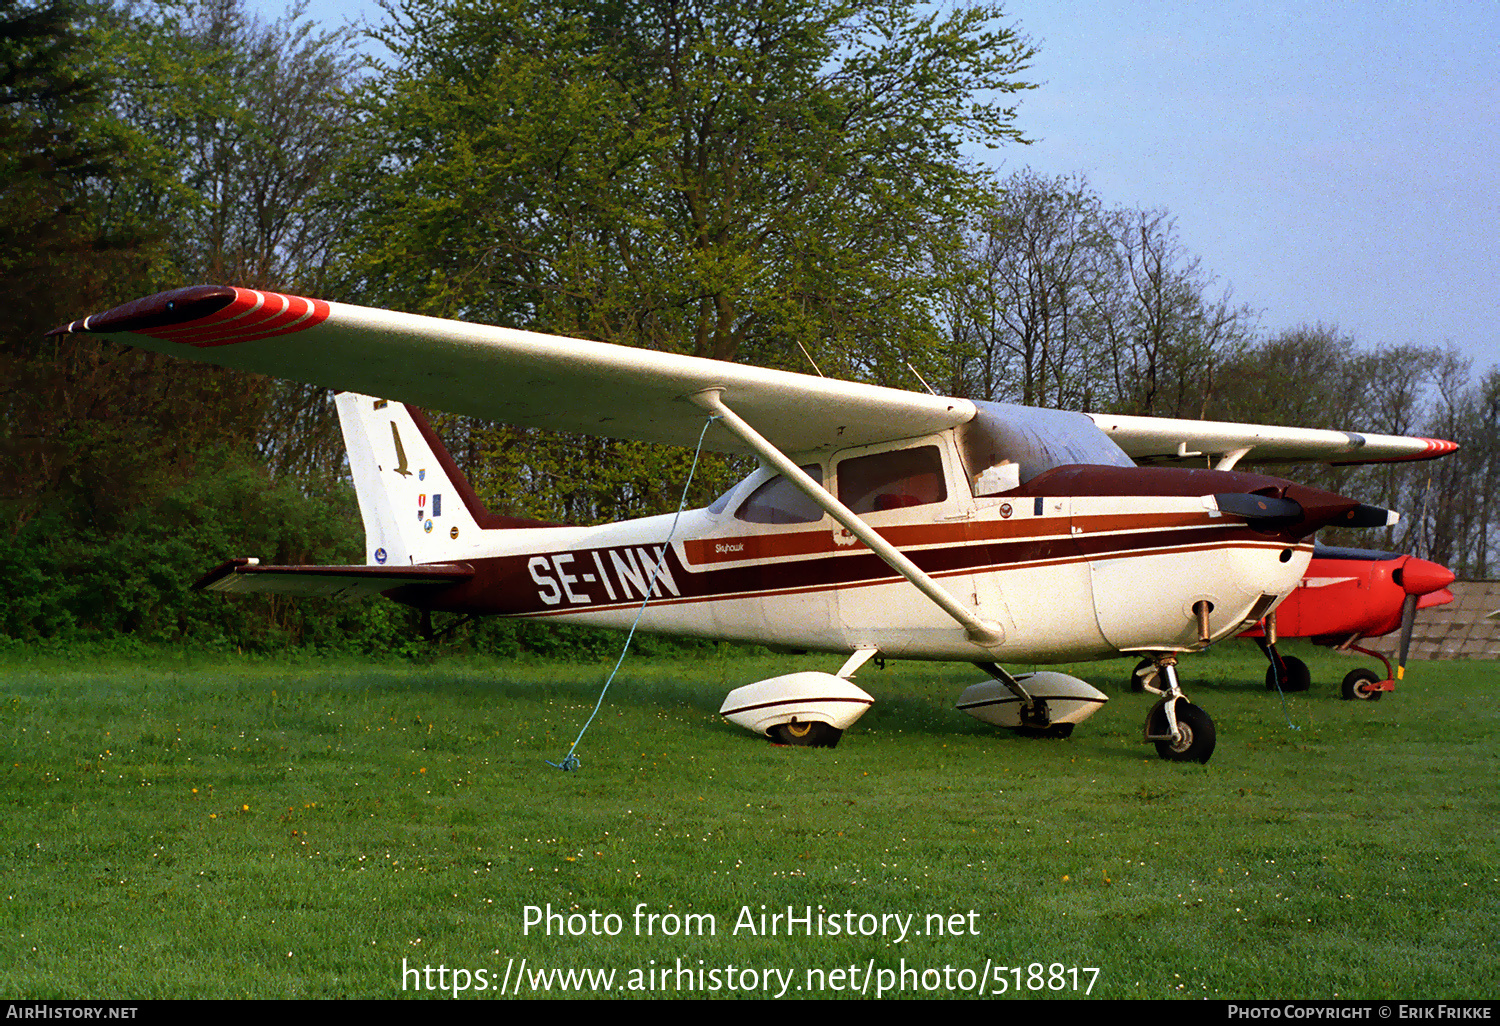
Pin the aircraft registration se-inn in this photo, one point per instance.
(880, 522)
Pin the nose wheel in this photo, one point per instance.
(1182, 731)
(1195, 738)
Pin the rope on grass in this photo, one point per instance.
(1276, 675)
(571, 761)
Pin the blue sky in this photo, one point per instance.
(1329, 162)
(1332, 162)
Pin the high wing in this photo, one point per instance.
(515, 377)
(594, 388)
(1161, 440)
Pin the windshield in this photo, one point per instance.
(1037, 440)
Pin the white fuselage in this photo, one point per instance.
(1062, 576)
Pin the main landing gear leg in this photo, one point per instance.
(1036, 718)
(1364, 684)
(1182, 731)
(1288, 673)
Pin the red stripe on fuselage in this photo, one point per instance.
(872, 582)
(738, 548)
(554, 583)
(821, 541)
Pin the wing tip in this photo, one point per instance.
(1432, 448)
(164, 309)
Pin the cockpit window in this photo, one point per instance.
(778, 501)
(892, 480)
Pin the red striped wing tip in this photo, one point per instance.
(206, 315)
(1432, 448)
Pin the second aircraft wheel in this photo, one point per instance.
(1054, 730)
(1353, 688)
(1298, 676)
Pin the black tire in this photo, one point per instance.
(1139, 676)
(1298, 676)
(1055, 731)
(1198, 738)
(810, 734)
(1353, 687)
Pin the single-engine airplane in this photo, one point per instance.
(1345, 596)
(880, 522)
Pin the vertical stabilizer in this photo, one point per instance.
(416, 505)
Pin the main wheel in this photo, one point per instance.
(810, 734)
(1354, 689)
(1298, 676)
(1196, 737)
(1139, 676)
(1053, 731)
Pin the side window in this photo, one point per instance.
(892, 480)
(778, 501)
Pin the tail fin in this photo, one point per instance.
(416, 504)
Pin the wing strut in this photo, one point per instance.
(981, 632)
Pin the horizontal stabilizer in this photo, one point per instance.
(246, 576)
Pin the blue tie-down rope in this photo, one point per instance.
(1276, 677)
(1286, 712)
(571, 761)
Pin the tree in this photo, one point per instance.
(1019, 305)
(1483, 448)
(1321, 377)
(194, 144)
(237, 125)
(1057, 300)
(56, 257)
(1167, 337)
(1307, 375)
(763, 182)
(721, 179)
(53, 145)
(129, 168)
(1451, 502)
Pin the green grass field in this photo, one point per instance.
(185, 827)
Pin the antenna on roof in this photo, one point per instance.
(808, 355)
(920, 378)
